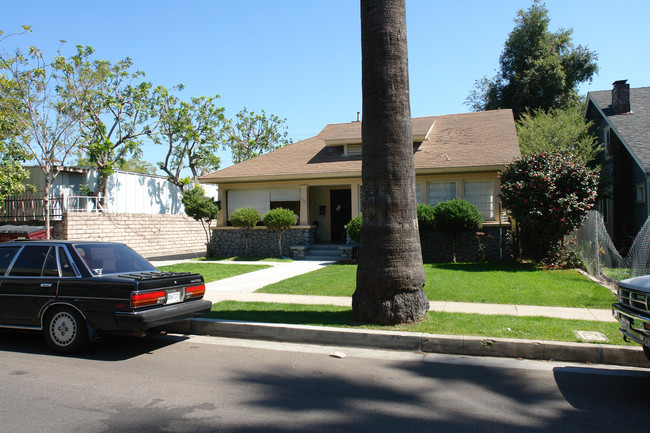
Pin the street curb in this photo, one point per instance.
(417, 342)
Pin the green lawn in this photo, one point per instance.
(469, 282)
(242, 259)
(213, 272)
(533, 328)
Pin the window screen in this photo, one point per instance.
(440, 191)
(480, 193)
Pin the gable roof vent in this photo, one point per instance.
(621, 97)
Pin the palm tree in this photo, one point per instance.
(390, 275)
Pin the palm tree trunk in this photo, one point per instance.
(390, 275)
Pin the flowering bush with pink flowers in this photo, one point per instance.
(548, 195)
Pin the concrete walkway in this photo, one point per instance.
(242, 288)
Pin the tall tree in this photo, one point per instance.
(12, 152)
(390, 275)
(539, 69)
(251, 135)
(191, 131)
(117, 109)
(559, 130)
(42, 119)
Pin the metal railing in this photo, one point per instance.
(83, 203)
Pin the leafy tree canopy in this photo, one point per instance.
(539, 69)
(191, 131)
(251, 135)
(559, 130)
(117, 108)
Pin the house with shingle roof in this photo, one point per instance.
(622, 118)
(456, 156)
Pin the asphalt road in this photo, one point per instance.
(208, 384)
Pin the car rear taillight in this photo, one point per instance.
(143, 299)
(195, 291)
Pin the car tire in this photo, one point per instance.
(65, 330)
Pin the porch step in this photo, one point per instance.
(329, 252)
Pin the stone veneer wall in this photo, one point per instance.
(262, 242)
(436, 244)
(153, 236)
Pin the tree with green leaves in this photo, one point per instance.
(456, 216)
(279, 220)
(390, 274)
(548, 195)
(134, 164)
(246, 219)
(192, 132)
(251, 135)
(117, 109)
(539, 69)
(559, 130)
(38, 116)
(12, 152)
(202, 208)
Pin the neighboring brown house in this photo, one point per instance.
(622, 118)
(456, 156)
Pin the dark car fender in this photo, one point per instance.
(93, 331)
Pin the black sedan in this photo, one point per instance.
(76, 291)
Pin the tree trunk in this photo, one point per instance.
(390, 275)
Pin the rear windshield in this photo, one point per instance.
(105, 259)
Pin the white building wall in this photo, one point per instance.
(127, 192)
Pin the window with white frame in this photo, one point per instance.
(481, 194)
(440, 191)
(418, 192)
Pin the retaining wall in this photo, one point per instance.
(262, 242)
(153, 236)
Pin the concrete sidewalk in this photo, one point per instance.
(242, 288)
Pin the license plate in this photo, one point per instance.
(174, 297)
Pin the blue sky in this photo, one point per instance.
(301, 59)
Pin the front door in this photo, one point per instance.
(340, 213)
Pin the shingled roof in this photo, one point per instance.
(633, 127)
(466, 142)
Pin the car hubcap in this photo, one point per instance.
(63, 328)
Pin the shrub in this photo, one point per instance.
(455, 216)
(279, 220)
(354, 228)
(548, 195)
(245, 218)
(426, 216)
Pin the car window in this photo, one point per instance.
(30, 261)
(66, 267)
(50, 268)
(112, 259)
(6, 256)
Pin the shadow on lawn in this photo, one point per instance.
(485, 267)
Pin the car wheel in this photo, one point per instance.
(646, 350)
(65, 330)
